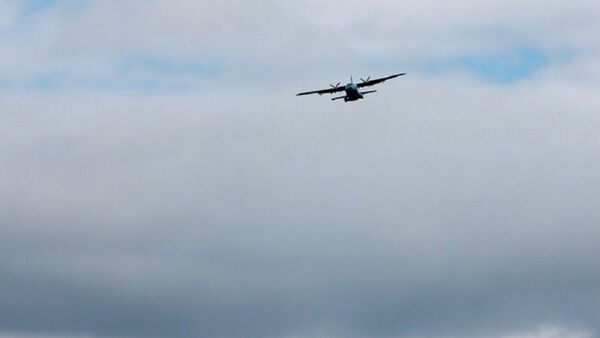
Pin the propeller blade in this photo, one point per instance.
(334, 87)
(367, 80)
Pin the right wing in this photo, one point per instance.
(376, 81)
(324, 91)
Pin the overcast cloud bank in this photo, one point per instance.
(160, 178)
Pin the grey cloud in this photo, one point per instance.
(439, 208)
(199, 216)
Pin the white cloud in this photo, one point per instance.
(552, 332)
(89, 41)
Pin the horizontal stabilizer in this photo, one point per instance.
(338, 98)
(369, 92)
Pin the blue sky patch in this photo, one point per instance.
(33, 6)
(145, 74)
(505, 67)
(163, 67)
(49, 81)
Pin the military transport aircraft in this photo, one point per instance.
(352, 89)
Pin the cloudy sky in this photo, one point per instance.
(159, 177)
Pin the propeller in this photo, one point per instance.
(334, 87)
(367, 80)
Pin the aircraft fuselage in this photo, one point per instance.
(352, 92)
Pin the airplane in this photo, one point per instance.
(352, 89)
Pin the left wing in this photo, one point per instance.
(324, 91)
(376, 81)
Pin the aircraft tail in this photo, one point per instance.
(338, 98)
(369, 92)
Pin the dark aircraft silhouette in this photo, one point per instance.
(352, 89)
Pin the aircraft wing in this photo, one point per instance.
(376, 81)
(324, 91)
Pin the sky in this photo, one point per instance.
(160, 178)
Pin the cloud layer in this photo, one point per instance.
(160, 178)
